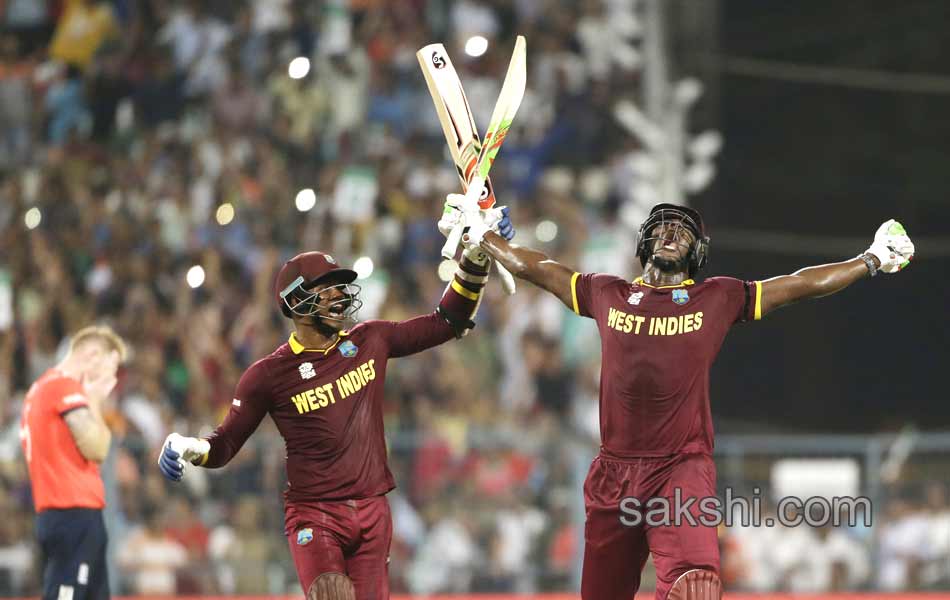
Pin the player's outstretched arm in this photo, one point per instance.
(490, 231)
(251, 403)
(891, 251)
(531, 265)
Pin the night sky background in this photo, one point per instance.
(830, 160)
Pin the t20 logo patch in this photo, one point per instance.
(304, 536)
(635, 298)
(348, 349)
(680, 296)
(306, 370)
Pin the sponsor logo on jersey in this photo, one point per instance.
(236, 402)
(635, 298)
(306, 370)
(680, 296)
(304, 536)
(348, 349)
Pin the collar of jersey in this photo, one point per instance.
(296, 347)
(639, 281)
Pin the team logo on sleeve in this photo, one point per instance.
(304, 536)
(306, 370)
(680, 296)
(348, 349)
(635, 298)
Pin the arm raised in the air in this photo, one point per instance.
(812, 282)
(891, 251)
(532, 266)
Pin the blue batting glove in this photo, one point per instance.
(169, 463)
(177, 450)
(505, 228)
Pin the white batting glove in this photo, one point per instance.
(451, 213)
(892, 247)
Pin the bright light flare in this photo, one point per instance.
(224, 214)
(195, 276)
(306, 199)
(363, 267)
(33, 218)
(447, 270)
(299, 67)
(546, 231)
(476, 46)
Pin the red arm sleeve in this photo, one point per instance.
(251, 402)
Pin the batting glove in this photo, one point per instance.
(476, 222)
(892, 247)
(451, 214)
(178, 449)
(500, 219)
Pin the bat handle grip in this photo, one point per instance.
(507, 279)
(452, 241)
(474, 191)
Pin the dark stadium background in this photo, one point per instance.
(830, 161)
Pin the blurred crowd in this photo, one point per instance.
(140, 139)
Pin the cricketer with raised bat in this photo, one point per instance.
(324, 391)
(660, 334)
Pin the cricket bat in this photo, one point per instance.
(472, 159)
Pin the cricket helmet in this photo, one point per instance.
(686, 217)
(297, 277)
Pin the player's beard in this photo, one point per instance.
(325, 327)
(669, 265)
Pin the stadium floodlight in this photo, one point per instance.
(634, 121)
(686, 92)
(706, 145)
(698, 176)
(645, 165)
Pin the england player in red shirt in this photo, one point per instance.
(324, 391)
(64, 439)
(660, 334)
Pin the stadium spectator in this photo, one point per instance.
(152, 557)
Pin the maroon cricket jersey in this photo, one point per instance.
(327, 405)
(657, 345)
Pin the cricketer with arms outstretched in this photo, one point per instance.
(324, 391)
(659, 335)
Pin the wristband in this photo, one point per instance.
(869, 262)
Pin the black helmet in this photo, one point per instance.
(690, 218)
